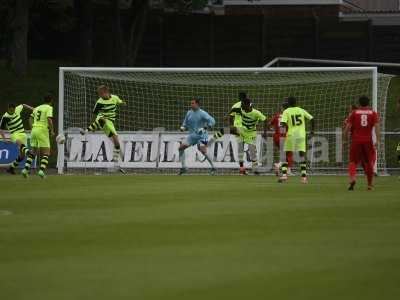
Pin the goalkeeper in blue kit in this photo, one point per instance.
(196, 121)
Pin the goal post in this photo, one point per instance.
(157, 99)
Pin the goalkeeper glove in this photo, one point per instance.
(182, 128)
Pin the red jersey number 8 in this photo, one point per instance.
(364, 120)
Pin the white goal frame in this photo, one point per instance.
(62, 70)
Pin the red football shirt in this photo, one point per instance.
(276, 124)
(362, 122)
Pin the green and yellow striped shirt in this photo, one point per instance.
(13, 122)
(107, 108)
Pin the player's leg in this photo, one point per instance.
(277, 149)
(217, 135)
(31, 154)
(97, 124)
(44, 153)
(289, 158)
(110, 131)
(354, 160)
(43, 150)
(20, 140)
(284, 168)
(249, 138)
(301, 148)
(303, 166)
(241, 141)
(289, 147)
(191, 139)
(202, 146)
(368, 153)
(29, 159)
(253, 157)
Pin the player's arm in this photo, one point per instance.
(210, 121)
(284, 121)
(378, 134)
(271, 123)
(184, 123)
(347, 128)
(30, 121)
(309, 117)
(120, 101)
(232, 114)
(50, 121)
(27, 107)
(51, 126)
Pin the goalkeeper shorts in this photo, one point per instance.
(108, 127)
(196, 139)
(20, 137)
(40, 138)
(295, 144)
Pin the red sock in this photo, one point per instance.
(352, 171)
(289, 158)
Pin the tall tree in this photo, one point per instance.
(20, 27)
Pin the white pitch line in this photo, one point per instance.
(5, 212)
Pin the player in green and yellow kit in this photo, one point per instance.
(294, 119)
(42, 128)
(244, 119)
(12, 122)
(105, 112)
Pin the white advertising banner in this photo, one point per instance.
(160, 150)
(148, 150)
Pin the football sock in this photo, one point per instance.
(209, 160)
(182, 158)
(28, 162)
(116, 153)
(241, 153)
(284, 168)
(44, 162)
(303, 169)
(24, 149)
(289, 157)
(16, 162)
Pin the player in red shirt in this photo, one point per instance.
(346, 121)
(361, 124)
(279, 136)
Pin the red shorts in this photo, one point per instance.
(362, 152)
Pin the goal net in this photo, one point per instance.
(157, 100)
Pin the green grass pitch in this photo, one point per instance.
(198, 237)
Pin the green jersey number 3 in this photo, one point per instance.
(296, 120)
(38, 115)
